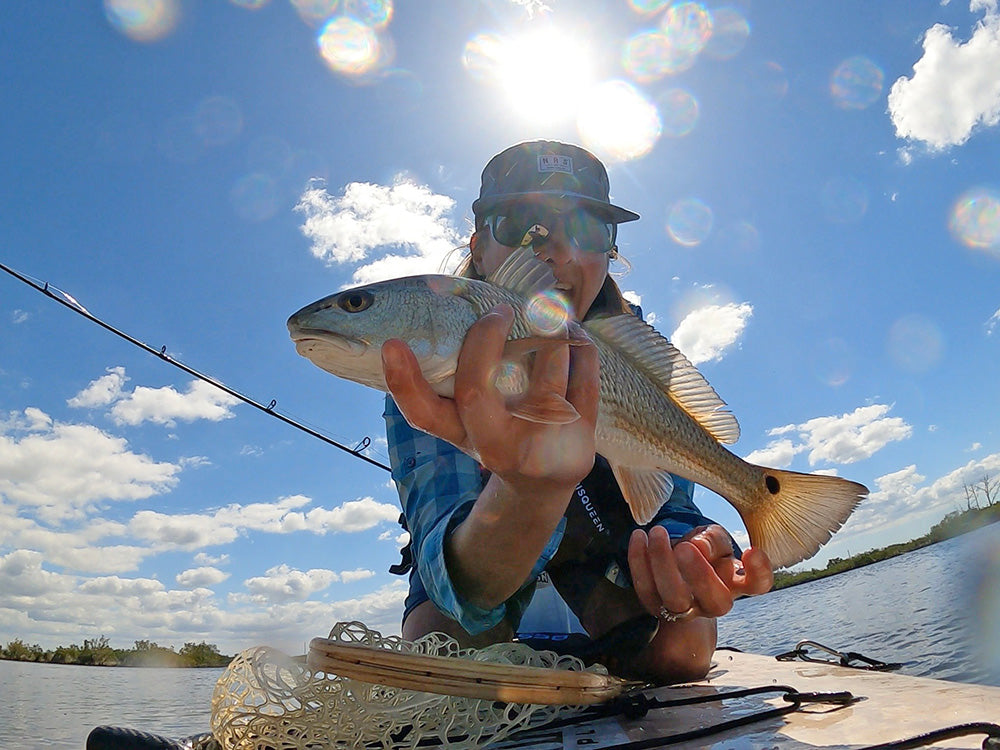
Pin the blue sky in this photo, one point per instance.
(820, 232)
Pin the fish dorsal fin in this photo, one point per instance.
(523, 274)
(669, 369)
(645, 490)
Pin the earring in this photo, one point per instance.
(613, 253)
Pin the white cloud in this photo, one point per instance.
(203, 558)
(121, 587)
(21, 574)
(19, 316)
(899, 497)
(706, 333)
(101, 392)
(205, 576)
(284, 584)
(954, 88)
(354, 515)
(992, 323)
(166, 405)
(63, 470)
(841, 440)
(160, 405)
(358, 574)
(195, 530)
(367, 217)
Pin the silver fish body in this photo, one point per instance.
(656, 416)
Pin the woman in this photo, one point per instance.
(539, 499)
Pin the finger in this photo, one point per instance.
(674, 592)
(550, 371)
(757, 577)
(712, 541)
(423, 408)
(711, 594)
(478, 359)
(584, 387)
(642, 574)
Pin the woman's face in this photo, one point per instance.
(579, 272)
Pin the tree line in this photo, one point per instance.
(98, 652)
(982, 507)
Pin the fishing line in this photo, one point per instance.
(68, 301)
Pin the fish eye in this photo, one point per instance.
(355, 301)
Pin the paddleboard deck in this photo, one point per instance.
(887, 707)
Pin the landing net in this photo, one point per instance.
(267, 699)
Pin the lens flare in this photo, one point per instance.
(349, 46)
(618, 122)
(255, 197)
(178, 140)
(218, 120)
(687, 26)
(547, 312)
(143, 20)
(844, 199)
(650, 55)
(510, 378)
(374, 13)
(856, 83)
(975, 219)
(679, 111)
(833, 362)
(915, 343)
(742, 239)
(769, 80)
(648, 7)
(250, 4)
(689, 222)
(730, 32)
(481, 55)
(315, 11)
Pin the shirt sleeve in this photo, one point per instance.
(438, 485)
(679, 515)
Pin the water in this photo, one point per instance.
(937, 610)
(56, 705)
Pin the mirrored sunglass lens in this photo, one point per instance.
(588, 231)
(510, 229)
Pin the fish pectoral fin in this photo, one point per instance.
(645, 490)
(523, 274)
(795, 514)
(546, 409)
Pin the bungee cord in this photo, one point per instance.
(68, 301)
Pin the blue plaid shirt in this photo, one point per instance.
(438, 485)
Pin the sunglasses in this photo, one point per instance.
(532, 224)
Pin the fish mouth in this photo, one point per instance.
(310, 340)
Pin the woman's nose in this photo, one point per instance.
(557, 248)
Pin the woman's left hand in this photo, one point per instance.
(698, 577)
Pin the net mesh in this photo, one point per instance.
(265, 699)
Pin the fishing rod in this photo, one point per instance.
(68, 301)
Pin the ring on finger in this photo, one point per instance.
(668, 616)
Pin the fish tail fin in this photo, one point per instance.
(797, 513)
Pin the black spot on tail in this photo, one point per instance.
(772, 484)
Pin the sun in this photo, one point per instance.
(543, 73)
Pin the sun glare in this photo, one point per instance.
(543, 73)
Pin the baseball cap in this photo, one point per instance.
(538, 169)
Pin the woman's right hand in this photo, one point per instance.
(522, 453)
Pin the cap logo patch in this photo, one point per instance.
(555, 163)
